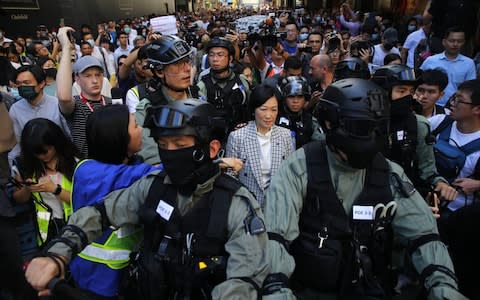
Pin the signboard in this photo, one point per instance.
(164, 25)
(19, 4)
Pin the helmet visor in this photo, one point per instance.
(407, 75)
(359, 127)
(165, 117)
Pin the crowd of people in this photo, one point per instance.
(317, 154)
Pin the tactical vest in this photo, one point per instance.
(301, 126)
(184, 257)
(403, 144)
(335, 252)
(229, 101)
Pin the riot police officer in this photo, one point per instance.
(204, 233)
(333, 209)
(304, 127)
(169, 58)
(409, 140)
(219, 85)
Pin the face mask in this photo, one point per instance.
(303, 37)
(127, 30)
(51, 72)
(28, 92)
(401, 107)
(411, 28)
(388, 46)
(187, 166)
(15, 94)
(318, 19)
(91, 42)
(360, 151)
(374, 36)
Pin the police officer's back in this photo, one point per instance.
(332, 210)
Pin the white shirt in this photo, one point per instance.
(379, 54)
(412, 41)
(265, 141)
(460, 139)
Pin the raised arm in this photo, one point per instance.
(64, 75)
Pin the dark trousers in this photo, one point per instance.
(13, 284)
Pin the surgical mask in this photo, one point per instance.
(318, 19)
(51, 72)
(91, 42)
(374, 36)
(28, 92)
(411, 28)
(127, 30)
(303, 37)
(15, 94)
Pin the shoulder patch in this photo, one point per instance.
(403, 187)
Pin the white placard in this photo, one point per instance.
(165, 210)
(362, 212)
(164, 25)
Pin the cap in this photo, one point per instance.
(390, 34)
(86, 62)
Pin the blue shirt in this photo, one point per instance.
(458, 70)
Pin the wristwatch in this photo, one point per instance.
(58, 190)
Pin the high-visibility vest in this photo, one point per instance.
(44, 214)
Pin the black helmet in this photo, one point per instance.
(221, 42)
(167, 50)
(295, 86)
(353, 67)
(392, 75)
(353, 99)
(183, 117)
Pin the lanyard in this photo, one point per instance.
(85, 101)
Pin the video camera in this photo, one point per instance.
(267, 34)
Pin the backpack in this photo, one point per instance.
(449, 158)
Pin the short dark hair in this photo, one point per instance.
(472, 86)
(435, 77)
(259, 96)
(315, 33)
(37, 72)
(292, 62)
(107, 134)
(291, 22)
(452, 30)
(391, 57)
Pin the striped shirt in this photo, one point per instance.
(77, 122)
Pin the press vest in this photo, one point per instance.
(184, 255)
(333, 247)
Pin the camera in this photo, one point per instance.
(268, 34)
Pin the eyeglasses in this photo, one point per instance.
(455, 100)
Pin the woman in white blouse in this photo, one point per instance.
(261, 144)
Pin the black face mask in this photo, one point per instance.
(187, 167)
(51, 72)
(388, 46)
(360, 151)
(28, 92)
(401, 106)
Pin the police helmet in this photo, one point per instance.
(392, 75)
(167, 50)
(184, 117)
(295, 86)
(355, 105)
(221, 42)
(353, 67)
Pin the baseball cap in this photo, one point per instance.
(390, 34)
(86, 62)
